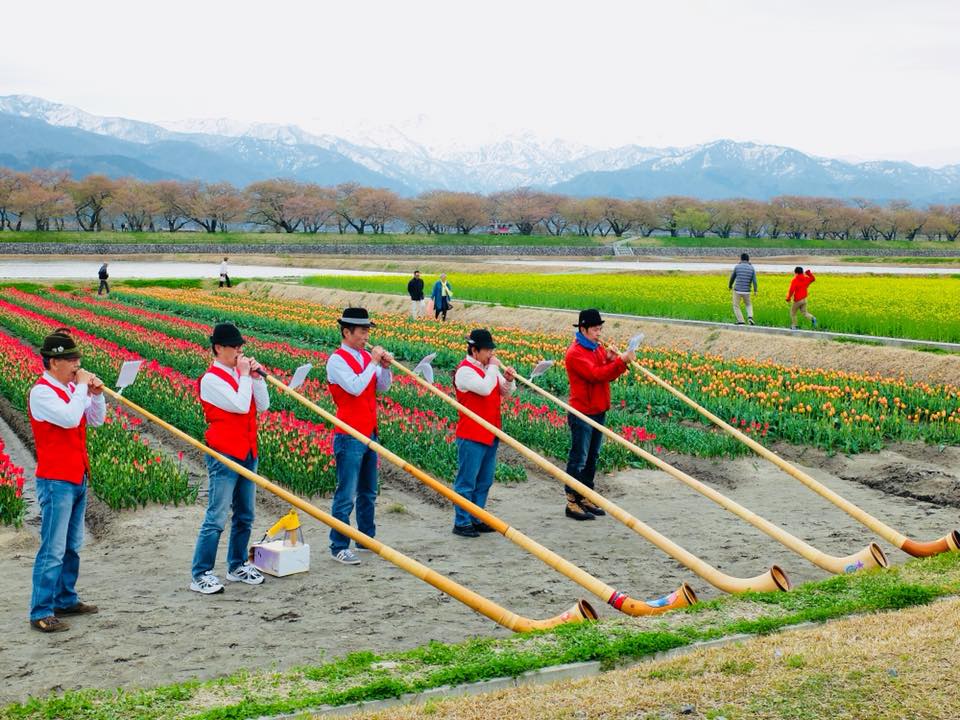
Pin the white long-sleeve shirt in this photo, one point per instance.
(47, 406)
(217, 391)
(468, 381)
(223, 268)
(339, 373)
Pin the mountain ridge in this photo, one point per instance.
(37, 130)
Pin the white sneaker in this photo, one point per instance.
(347, 557)
(207, 584)
(246, 573)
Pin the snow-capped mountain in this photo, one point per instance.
(408, 158)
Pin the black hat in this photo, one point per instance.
(59, 345)
(589, 318)
(226, 334)
(356, 316)
(481, 339)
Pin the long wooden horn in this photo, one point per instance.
(773, 579)
(578, 613)
(682, 597)
(870, 557)
(916, 548)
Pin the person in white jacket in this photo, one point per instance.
(232, 393)
(480, 386)
(224, 273)
(63, 402)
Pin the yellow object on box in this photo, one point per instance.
(282, 556)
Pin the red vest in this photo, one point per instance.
(487, 407)
(61, 452)
(230, 433)
(357, 411)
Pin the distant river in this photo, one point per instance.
(123, 270)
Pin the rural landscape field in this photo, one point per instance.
(567, 362)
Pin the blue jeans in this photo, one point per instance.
(57, 566)
(226, 489)
(585, 444)
(476, 464)
(356, 484)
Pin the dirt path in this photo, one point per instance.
(152, 630)
(805, 352)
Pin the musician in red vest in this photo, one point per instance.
(63, 402)
(231, 395)
(590, 369)
(479, 385)
(355, 376)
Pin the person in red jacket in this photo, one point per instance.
(479, 387)
(62, 403)
(799, 288)
(590, 369)
(355, 377)
(231, 395)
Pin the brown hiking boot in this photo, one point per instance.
(591, 508)
(573, 510)
(49, 624)
(78, 609)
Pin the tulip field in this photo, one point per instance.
(12, 504)
(923, 308)
(169, 329)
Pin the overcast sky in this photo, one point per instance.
(858, 79)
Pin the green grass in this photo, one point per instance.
(367, 676)
(234, 238)
(784, 242)
(921, 308)
(903, 260)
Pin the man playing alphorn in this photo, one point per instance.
(62, 403)
(355, 376)
(590, 370)
(231, 398)
(479, 387)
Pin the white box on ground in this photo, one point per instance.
(278, 559)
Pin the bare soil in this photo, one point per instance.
(152, 630)
(913, 365)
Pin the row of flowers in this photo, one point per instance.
(833, 409)
(534, 423)
(125, 471)
(295, 448)
(12, 504)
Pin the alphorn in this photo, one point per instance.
(917, 548)
(870, 557)
(578, 613)
(682, 597)
(773, 579)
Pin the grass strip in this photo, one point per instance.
(862, 667)
(369, 676)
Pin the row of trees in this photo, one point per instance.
(50, 200)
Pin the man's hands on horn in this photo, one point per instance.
(243, 366)
(93, 383)
(381, 356)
